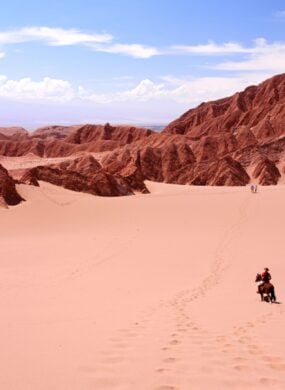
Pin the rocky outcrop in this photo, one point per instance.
(30, 178)
(101, 183)
(86, 165)
(21, 148)
(85, 174)
(260, 108)
(60, 141)
(8, 192)
(228, 172)
(13, 131)
(112, 136)
(54, 132)
(266, 172)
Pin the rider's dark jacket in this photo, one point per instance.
(266, 277)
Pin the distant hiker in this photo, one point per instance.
(252, 188)
(255, 188)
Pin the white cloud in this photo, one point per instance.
(67, 37)
(52, 36)
(191, 91)
(2, 54)
(132, 50)
(106, 43)
(264, 57)
(145, 90)
(26, 89)
(212, 48)
(184, 91)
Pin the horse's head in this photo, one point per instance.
(258, 278)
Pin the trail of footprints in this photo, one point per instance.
(237, 353)
(248, 363)
(231, 353)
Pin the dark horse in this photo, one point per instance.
(266, 289)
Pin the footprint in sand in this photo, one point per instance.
(166, 387)
(268, 381)
(254, 349)
(277, 366)
(162, 370)
(181, 329)
(244, 340)
(170, 360)
(272, 359)
(174, 342)
(242, 368)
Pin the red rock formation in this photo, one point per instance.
(10, 131)
(51, 142)
(84, 174)
(3, 137)
(266, 172)
(150, 163)
(54, 132)
(261, 108)
(86, 165)
(116, 135)
(21, 148)
(101, 183)
(30, 178)
(228, 172)
(8, 190)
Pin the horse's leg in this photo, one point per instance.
(261, 296)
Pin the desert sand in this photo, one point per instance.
(145, 292)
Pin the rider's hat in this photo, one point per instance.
(266, 269)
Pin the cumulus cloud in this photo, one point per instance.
(26, 89)
(185, 91)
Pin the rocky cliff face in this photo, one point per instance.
(8, 192)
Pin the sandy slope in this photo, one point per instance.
(150, 292)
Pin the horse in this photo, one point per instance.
(266, 289)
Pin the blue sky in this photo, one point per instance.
(70, 61)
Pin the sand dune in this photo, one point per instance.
(147, 292)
